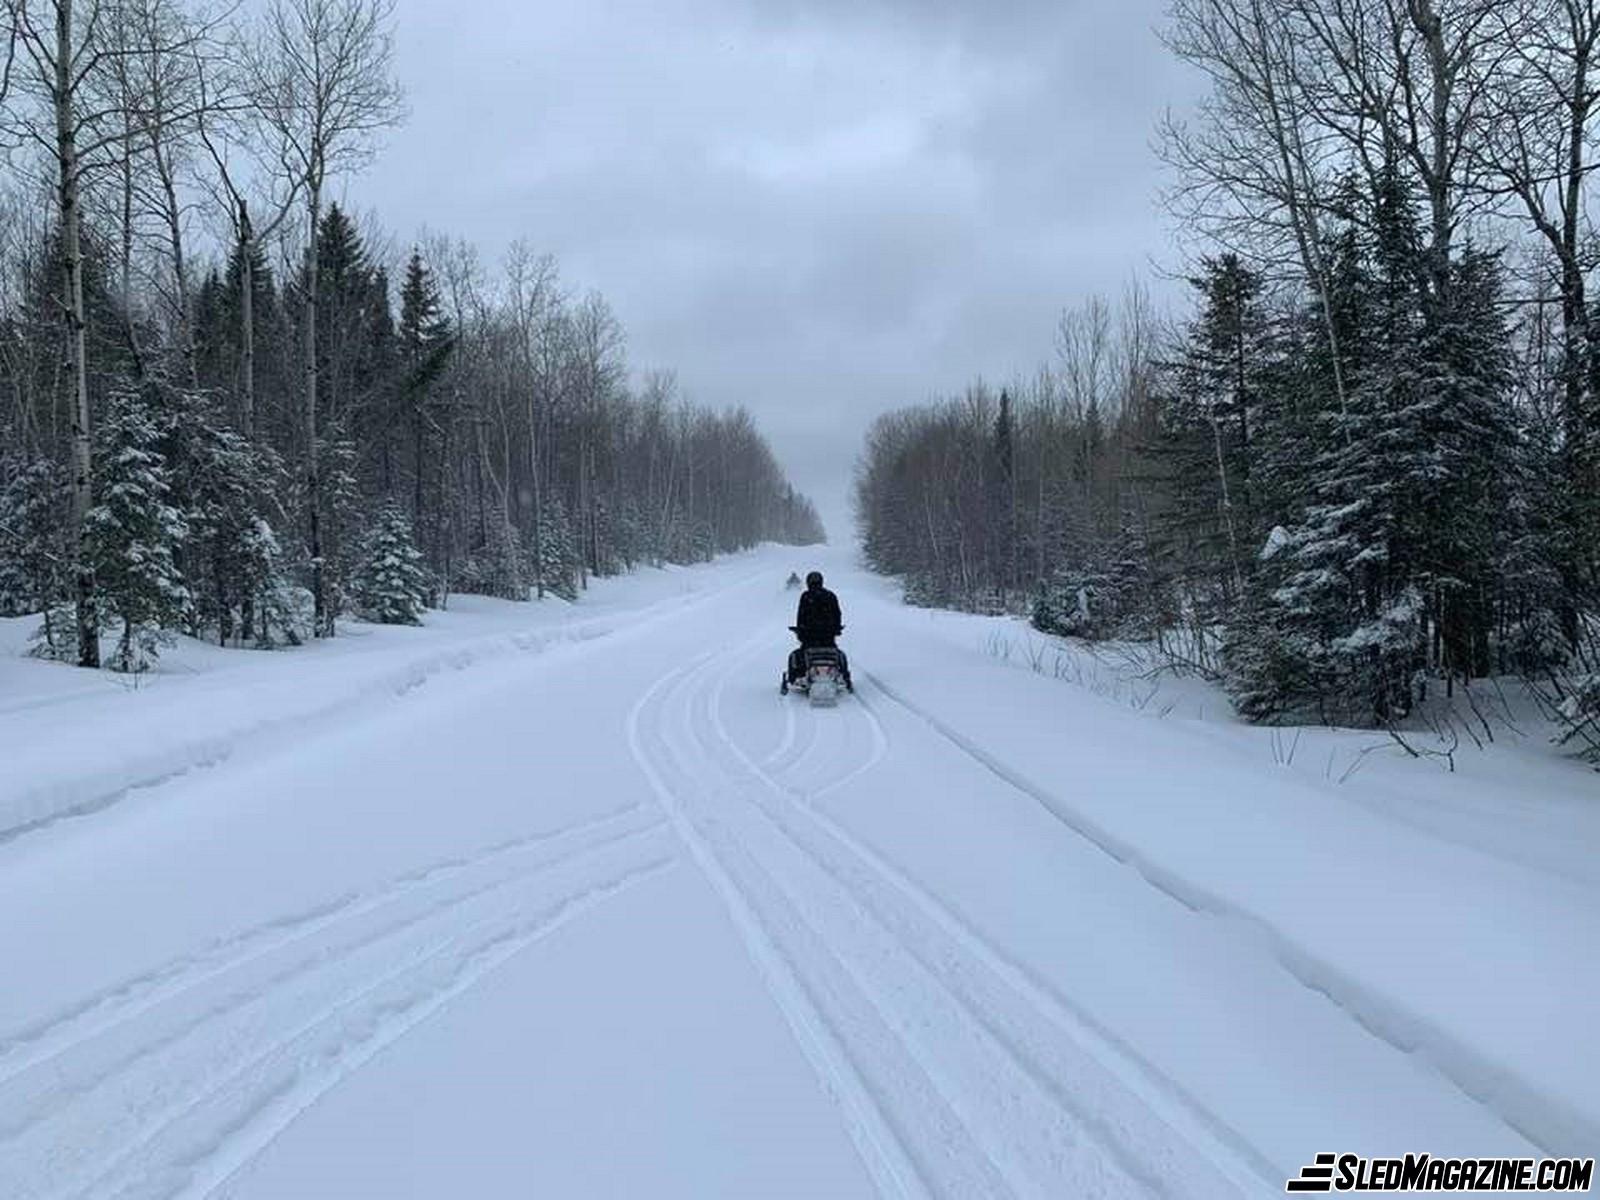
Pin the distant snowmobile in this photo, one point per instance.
(792, 582)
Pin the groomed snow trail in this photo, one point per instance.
(957, 1082)
(616, 919)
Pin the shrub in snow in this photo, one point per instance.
(1578, 716)
(922, 589)
(391, 586)
(1061, 608)
(500, 565)
(1108, 597)
(56, 638)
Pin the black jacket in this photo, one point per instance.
(818, 613)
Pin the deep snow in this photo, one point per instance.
(566, 900)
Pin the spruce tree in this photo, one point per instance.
(134, 532)
(425, 344)
(35, 552)
(227, 486)
(1209, 436)
(1342, 603)
(391, 585)
(559, 546)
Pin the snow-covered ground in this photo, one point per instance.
(560, 900)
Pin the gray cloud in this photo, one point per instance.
(820, 209)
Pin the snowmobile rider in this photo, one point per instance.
(817, 622)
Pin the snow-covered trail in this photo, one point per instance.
(616, 919)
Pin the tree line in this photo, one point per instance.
(1364, 467)
(228, 407)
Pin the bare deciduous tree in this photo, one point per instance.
(324, 83)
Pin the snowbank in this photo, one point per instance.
(1451, 913)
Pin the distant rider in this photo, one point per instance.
(817, 622)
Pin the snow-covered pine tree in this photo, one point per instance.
(1351, 602)
(1389, 573)
(227, 487)
(391, 584)
(559, 545)
(1462, 489)
(275, 608)
(702, 542)
(133, 533)
(499, 564)
(341, 523)
(1110, 593)
(35, 553)
(1274, 651)
(633, 536)
(1210, 414)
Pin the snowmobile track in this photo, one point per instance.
(25, 1048)
(931, 929)
(881, 1145)
(987, 983)
(977, 1089)
(186, 1074)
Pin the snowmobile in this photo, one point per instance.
(793, 582)
(824, 677)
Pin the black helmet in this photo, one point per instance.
(814, 579)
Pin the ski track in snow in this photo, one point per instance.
(955, 1077)
(777, 753)
(183, 1075)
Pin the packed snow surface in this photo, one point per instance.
(566, 900)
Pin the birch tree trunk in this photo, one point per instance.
(322, 618)
(73, 308)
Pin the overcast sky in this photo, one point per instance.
(820, 209)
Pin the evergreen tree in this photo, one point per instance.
(134, 532)
(35, 552)
(341, 520)
(1461, 481)
(1209, 433)
(228, 488)
(559, 546)
(356, 349)
(1388, 576)
(1342, 607)
(500, 563)
(391, 585)
(425, 344)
